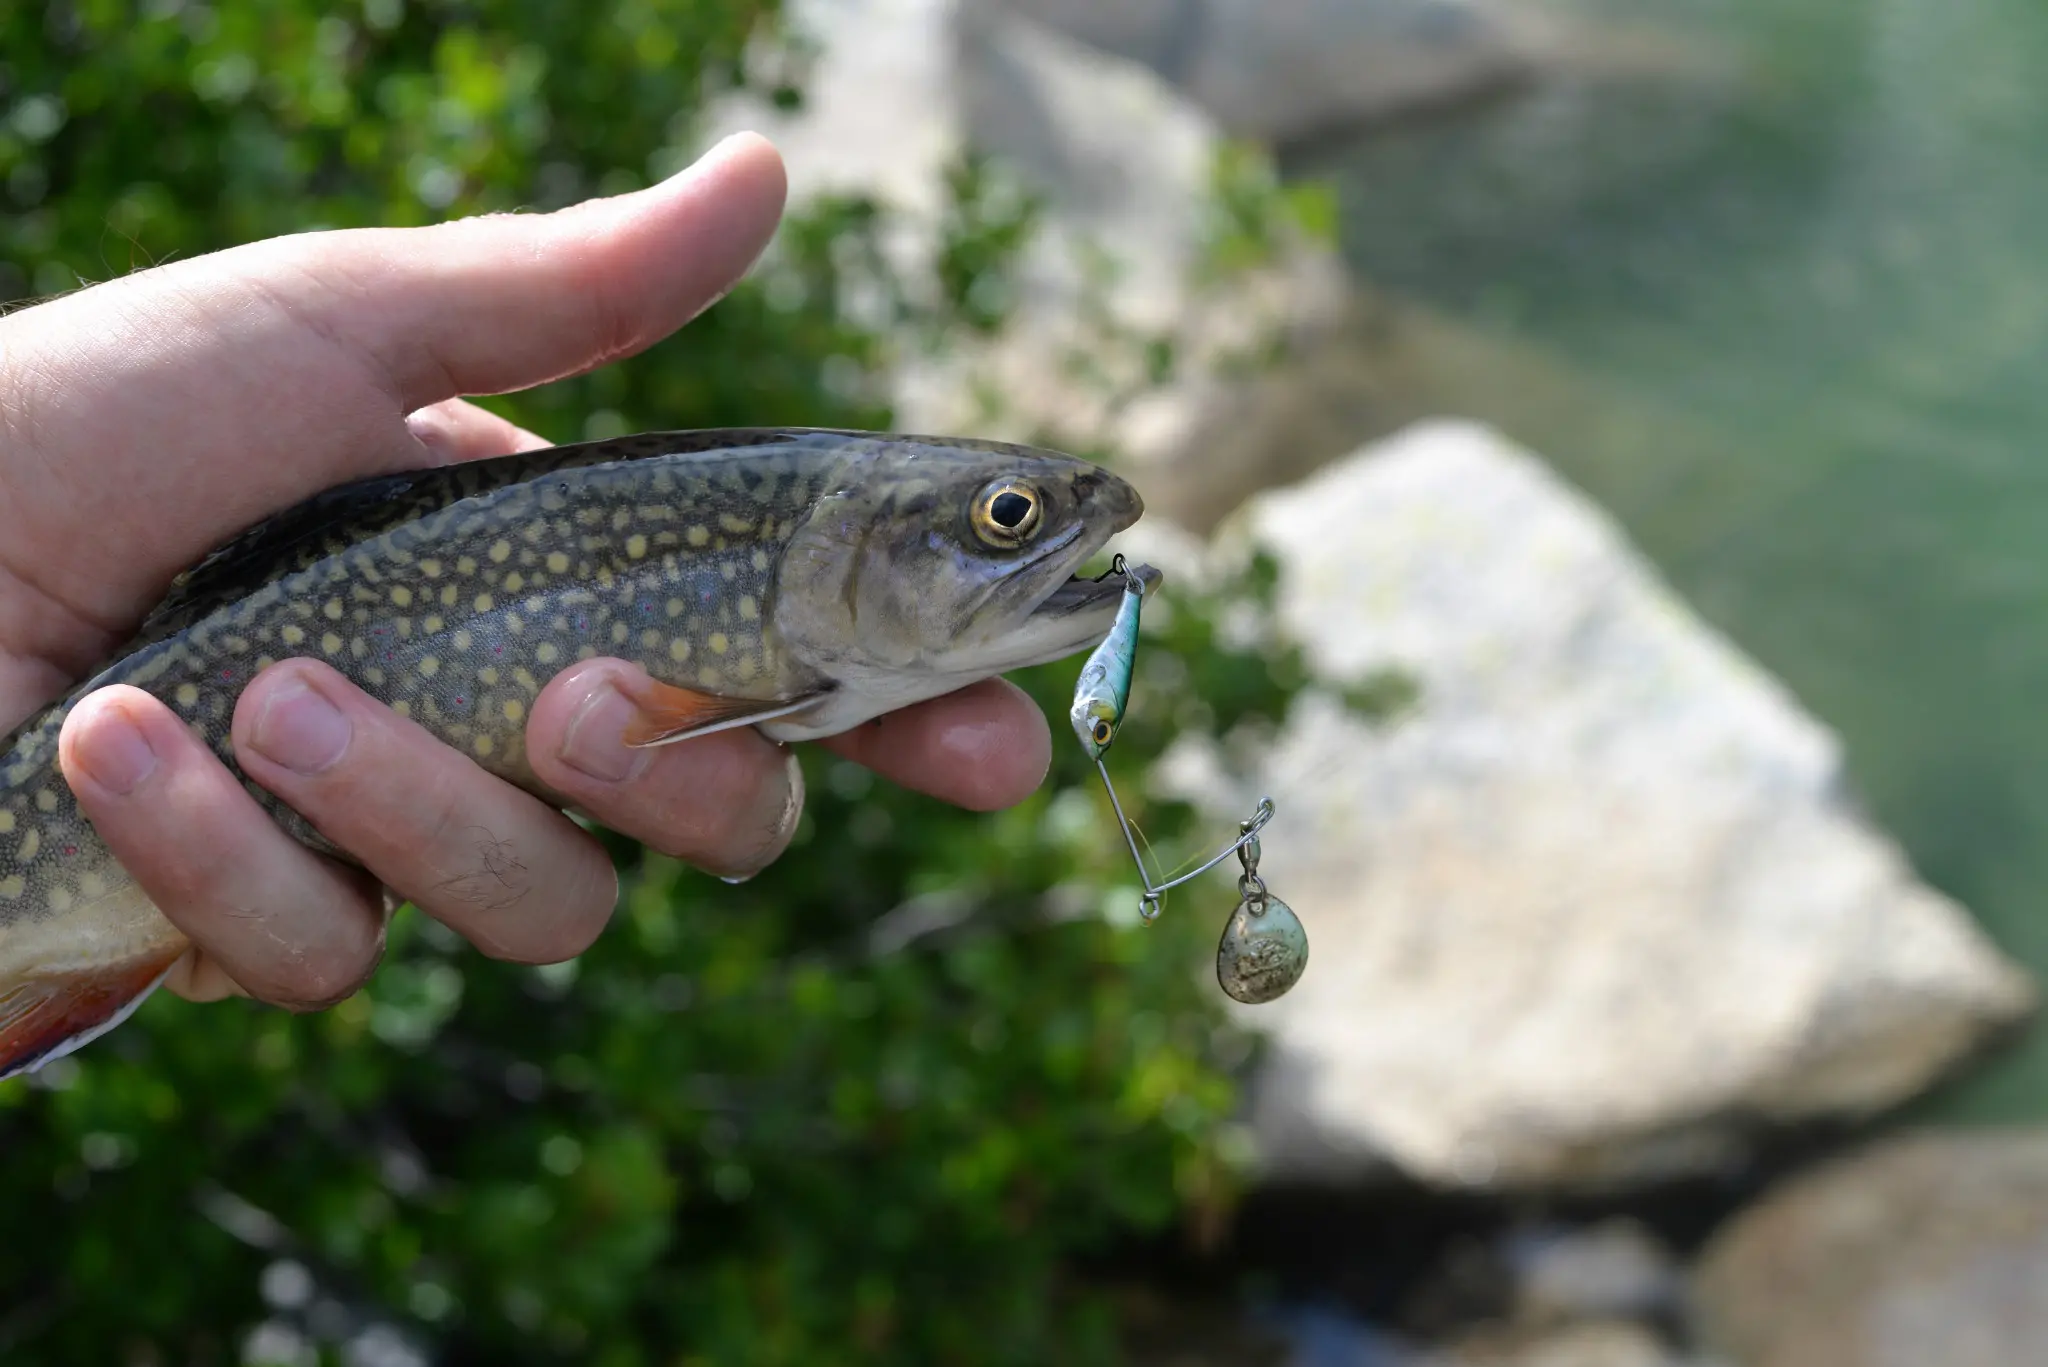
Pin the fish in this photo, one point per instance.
(801, 581)
(1103, 691)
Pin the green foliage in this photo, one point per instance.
(864, 1108)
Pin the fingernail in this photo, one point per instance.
(594, 743)
(301, 729)
(119, 757)
(792, 811)
(431, 428)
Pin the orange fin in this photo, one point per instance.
(46, 1018)
(669, 714)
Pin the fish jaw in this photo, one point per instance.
(1075, 616)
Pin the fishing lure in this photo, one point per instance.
(1264, 949)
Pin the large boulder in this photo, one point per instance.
(1123, 165)
(1597, 907)
(1925, 1249)
(1284, 70)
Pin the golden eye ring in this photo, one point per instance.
(1103, 732)
(1008, 514)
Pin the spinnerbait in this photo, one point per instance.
(1264, 949)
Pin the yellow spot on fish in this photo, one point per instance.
(636, 545)
(430, 666)
(483, 745)
(92, 885)
(60, 900)
(11, 887)
(487, 676)
(331, 643)
(586, 652)
(738, 526)
(679, 650)
(432, 624)
(6, 823)
(334, 609)
(747, 667)
(373, 676)
(431, 568)
(513, 623)
(719, 645)
(466, 565)
(619, 633)
(514, 582)
(728, 569)
(501, 550)
(709, 677)
(449, 596)
(461, 640)
(401, 596)
(402, 707)
(749, 609)
(558, 563)
(676, 606)
(650, 638)
(699, 535)
(546, 653)
(188, 694)
(760, 560)
(483, 602)
(25, 853)
(264, 662)
(514, 709)
(293, 634)
(46, 801)
(620, 520)
(525, 680)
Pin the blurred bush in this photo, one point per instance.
(867, 1108)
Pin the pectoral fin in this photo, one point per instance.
(669, 714)
(45, 1018)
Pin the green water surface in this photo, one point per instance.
(1800, 289)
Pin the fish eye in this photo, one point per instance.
(1008, 513)
(1103, 731)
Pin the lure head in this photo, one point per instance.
(1103, 691)
(1095, 718)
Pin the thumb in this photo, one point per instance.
(501, 302)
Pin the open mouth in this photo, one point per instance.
(1080, 594)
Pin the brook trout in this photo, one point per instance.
(797, 581)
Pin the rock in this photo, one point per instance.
(1123, 164)
(1919, 1250)
(1283, 70)
(1613, 1270)
(1597, 909)
(1611, 1343)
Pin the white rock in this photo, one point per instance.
(902, 87)
(1598, 903)
(1281, 70)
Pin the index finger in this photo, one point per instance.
(983, 748)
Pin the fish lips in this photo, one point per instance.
(1075, 616)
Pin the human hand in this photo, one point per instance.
(146, 420)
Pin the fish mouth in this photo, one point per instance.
(1073, 617)
(1084, 595)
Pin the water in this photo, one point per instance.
(1782, 305)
